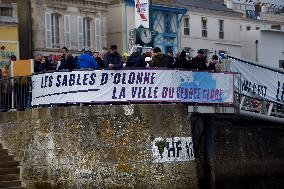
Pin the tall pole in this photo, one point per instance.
(151, 20)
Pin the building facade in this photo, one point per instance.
(261, 31)
(9, 43)
(264, 46)
(210, 26)
(74, 24)
(167, 17)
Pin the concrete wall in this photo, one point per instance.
(247, 153)
(97, 146)
(230, 43)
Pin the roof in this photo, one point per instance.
(168, 3)
(205, 4)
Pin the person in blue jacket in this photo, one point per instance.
(86, 60)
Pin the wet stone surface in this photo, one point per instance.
(97, 146)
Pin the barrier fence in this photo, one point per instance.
(15, 93)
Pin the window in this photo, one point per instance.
(168, 23)
(67, 31)
(87, 32)
(55, 30)
(248, 28)
(186, 25)
(98, 34)
(204, 26)
(52, 30)
(84, 32)
(281, 64)
(221, 29)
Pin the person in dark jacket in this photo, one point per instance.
(67, 62)
(199, 62)
(182, 61)
(136, 60)
(86, 60)
(113, 59)
(170, 59)
(158, 58)
(44, 65)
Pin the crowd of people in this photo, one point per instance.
(109, 58)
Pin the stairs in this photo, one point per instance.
(9, 171)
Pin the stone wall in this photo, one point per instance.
(97, 146)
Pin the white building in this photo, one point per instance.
(262, 38)
(211, 26)
(264, 46)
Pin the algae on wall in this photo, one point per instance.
(97, 146)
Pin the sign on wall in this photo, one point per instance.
(260, 82)
(7, 49)
(131, 86)
(174, 149)
(142, 13)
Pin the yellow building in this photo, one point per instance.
(9, 42)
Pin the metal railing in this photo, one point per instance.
(15, 93)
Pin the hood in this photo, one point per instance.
(85, 56)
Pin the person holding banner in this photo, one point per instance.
(113, 59)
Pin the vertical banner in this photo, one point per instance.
(142, 13)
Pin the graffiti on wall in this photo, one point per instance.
(174, 149)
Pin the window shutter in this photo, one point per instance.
(98, 33)
(80, 31)
(48, 42)
(67, 31)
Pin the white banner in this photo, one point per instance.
(172, 149)
(260, 82)
(142, 13)
(101, 86)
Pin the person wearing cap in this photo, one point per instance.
(158, 58)
(113, 59)
(214, 64)
(199, 62)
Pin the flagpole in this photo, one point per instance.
(151, 20)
